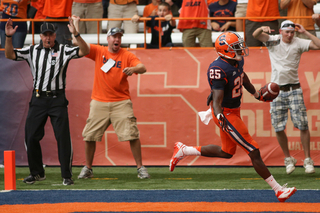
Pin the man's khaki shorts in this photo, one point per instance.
(119, 114)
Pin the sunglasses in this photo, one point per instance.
(288, 25)
(116, 30)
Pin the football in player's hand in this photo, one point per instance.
(269, 92)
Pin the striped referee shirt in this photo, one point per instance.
(48, 65)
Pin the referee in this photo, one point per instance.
(48, 62)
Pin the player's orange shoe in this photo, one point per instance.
(177, 155)
(285, 193)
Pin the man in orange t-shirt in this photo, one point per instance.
(111, 102)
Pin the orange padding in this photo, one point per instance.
(164, 207)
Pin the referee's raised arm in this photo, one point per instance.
(84, 48)
(9, 31)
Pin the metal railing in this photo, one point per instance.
(144, 19)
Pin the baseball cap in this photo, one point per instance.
(287, 25)
(47, 27)
(114, 31)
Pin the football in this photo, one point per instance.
(270, 91)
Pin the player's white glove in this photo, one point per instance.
(223, 123)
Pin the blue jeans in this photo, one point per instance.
(17, 39)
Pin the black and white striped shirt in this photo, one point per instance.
(48, 65)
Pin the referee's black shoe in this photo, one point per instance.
(67, 181)
(31, 179)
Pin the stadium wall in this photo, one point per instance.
(166, 101)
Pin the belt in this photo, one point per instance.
(289, 87)
(52, 93)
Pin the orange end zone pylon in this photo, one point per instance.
(9, 170)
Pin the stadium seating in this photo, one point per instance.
(132, 40)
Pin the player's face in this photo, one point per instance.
(239, 52)
(48, 39)
(287, 35)
(162, 11)
(114, 42)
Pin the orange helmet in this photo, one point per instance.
(229, 43)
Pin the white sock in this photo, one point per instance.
(192, 150)
(273, 183)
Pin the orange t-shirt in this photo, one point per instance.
(262, 8)
(15, 9)
(111, 86)
(87, 1)
(194, 8)
(148, 9)
(39, 6)
(57, 8)
(297, 8)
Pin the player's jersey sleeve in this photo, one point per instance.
(217, 77)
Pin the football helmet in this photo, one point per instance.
(229, 44)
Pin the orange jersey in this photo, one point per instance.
(297, 8)
(57, 8)
(15, 8)
(194, 8)
(111, 86)
(263, 8)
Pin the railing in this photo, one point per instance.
(138, 38)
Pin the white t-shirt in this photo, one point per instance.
(285, 58)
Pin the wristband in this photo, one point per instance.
(77, 35)
(7, 35)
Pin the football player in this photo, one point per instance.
(226, 79)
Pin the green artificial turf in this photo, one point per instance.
(162, 178)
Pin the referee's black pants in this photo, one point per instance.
(39, 110)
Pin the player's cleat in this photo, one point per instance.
(290, 163)
(177, 155)
(285, 193)
(67, 181)
(85, 173)
(308, 165)
(143, 173)
(31, 179)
